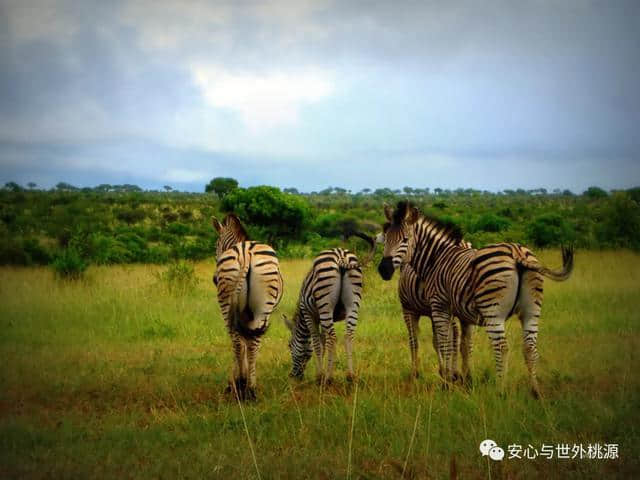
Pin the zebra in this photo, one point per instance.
(415, 303)
(482, 287)
(250, 286)
(331, 292)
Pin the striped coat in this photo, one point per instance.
(249, 287)
(331, 292)
(483, 287)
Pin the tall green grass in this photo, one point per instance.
(113, 377)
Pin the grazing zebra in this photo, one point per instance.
(331, 292)
(482, 287)
(249, 287)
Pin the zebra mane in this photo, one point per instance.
(450, 229)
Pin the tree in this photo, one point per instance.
(291, 190)
(32, 185)
(594, 193)
(221, 186)
(168, 188)
(64, 186)
(13, 187)
(269, 213)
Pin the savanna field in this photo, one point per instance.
(120, 375)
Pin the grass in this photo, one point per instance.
(116, 377)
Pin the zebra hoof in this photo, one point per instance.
(296, 376)
(250, 394)
(351, 378)
(536, 393)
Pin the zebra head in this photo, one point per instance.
(230, 232)
(300, 351)
(396, 234)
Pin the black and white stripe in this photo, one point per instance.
(249, 287)
(331, 292)
(483, 287)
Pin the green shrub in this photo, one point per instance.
(550, 230)
(491, 223)
(178, 228)
(278, 216)
(69, 264)
(130, 215)
(621, 225)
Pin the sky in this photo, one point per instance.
(309, 94)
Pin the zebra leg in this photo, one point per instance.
(348, 341)
(455, 339)
(239, 366)
(530, 348)
(496, 332)
(317, 344)
(330, 346)
(253, 345)
(442, 331)
(466, 347)
(411, 320)
(529, 306)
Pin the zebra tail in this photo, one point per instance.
(236, 290)
(370, 240)
(556, 275)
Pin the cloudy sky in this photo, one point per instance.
(485, 94)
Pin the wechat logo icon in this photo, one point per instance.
(491, 448)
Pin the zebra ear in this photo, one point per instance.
(287, 322)
(388, 211)
(412, 215)
(216, 224)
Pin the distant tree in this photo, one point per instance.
(221, 186)
(326, 191)
(65, 187)
(381, 192)
(339, 190)
(567, 193)
(168, 188)
(438, 191)
(103, 187)
(366, 190)
(291, 190)
(408, 190)
(32, 185)
(595, 193)
(13, 187)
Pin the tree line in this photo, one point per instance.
(111, 224)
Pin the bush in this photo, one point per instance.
(280, 217)
(491, 223)
(179, 278)
(130, 215)
(621, 225)
(69, 264)
(550, 230)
